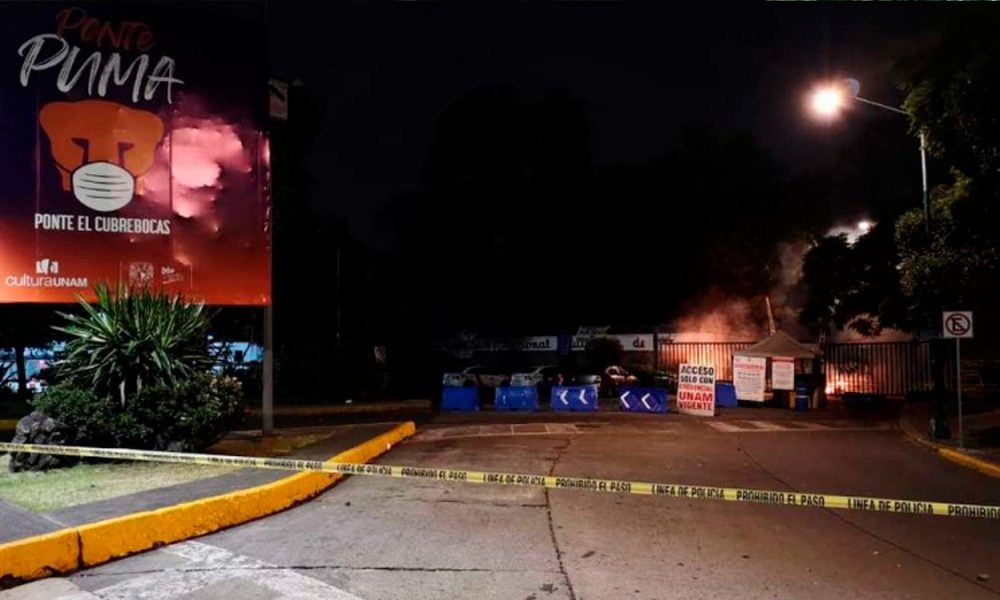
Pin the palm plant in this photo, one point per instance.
(132, 337)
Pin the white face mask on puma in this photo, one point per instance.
(103, 186)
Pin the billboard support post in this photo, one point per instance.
(267, 404)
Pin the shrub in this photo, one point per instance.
(133, 338)
(90, 418)
(193, 415)
(190, 416)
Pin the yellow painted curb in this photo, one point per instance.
(96, 543)
(40, 556)
(983, 466)
(8, 424)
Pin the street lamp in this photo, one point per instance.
(828, 100)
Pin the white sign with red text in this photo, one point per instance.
(696, 390)
(748, 377)
(783, 373)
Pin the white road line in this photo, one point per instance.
(723, 427)
(769, 426)
(799, 426)
(436, 435)
(208, 565)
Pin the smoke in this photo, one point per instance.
(718, 317)
(852, 231)
(722, 317)
(788, 294)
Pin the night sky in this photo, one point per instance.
(386, 71)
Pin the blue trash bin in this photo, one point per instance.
(725, 394)
(801, 397)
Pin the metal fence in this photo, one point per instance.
(719, 354)
(878, 367)
(892, 368)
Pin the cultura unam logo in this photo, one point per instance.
(46, 276)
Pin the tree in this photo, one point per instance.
(952, 92)
(854, 286)
(958, 265)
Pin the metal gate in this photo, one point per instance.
(892, 368)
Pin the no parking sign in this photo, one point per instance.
(957, 324)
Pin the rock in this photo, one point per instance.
(37, 428)
(983, 577)
(178, 446)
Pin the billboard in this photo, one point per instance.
(133, 149)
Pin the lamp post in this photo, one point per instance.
(827, 102)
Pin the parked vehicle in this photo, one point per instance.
(620, 375)
(615, 376)
(544, 378)
(666, 379)
(478, 376)
(582, 378)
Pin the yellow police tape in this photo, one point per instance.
(674, 490)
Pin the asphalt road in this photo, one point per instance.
(376, 538)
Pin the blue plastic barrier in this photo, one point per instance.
(725, 394)
(516, 398)
(574, 398)
(642, 399)
(459, 398)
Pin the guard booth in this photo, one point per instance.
(809, 384)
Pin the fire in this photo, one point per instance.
(835, 388)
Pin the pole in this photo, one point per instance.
(937, 350)
(267, 405)
(958, 387)
(338, 294)
(267, 383)
(923, 173)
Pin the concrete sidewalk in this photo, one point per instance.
(981, 436)
(17, 523)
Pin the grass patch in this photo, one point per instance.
(85, 483)
(61, 488)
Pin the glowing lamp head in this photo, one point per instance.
(827, 101)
